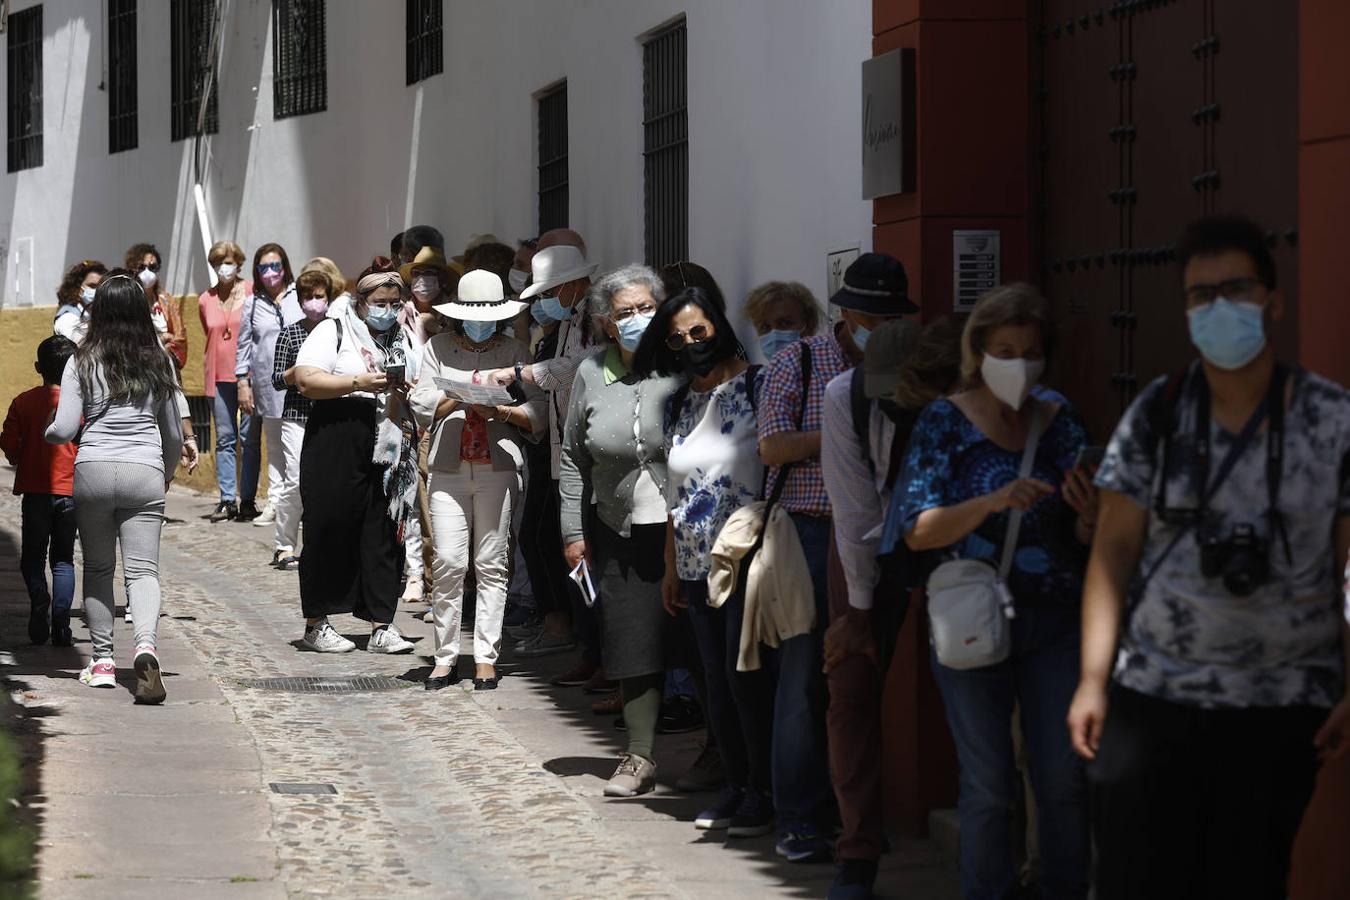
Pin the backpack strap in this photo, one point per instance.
(751, 376)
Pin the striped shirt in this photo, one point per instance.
(289, 340)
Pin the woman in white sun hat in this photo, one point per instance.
(474, 463)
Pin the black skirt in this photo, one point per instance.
(351, 560)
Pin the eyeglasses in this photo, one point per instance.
(1235, 289)
(269, 267)
(623, 315)
(678, 340)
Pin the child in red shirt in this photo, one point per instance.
(45, 477)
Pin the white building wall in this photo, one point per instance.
(774, 143)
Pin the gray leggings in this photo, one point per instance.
(123, 502)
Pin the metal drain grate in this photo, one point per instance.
(322, 684)
(301, 787)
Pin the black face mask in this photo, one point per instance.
(699, 359)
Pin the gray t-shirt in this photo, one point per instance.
(146, 432)
(1189, 640)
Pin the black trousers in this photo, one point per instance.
(352, 560)
(541, 535)
(1195, 803)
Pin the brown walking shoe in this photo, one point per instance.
(635, 775)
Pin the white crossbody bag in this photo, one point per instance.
(969, 604)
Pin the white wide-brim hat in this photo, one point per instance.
(557, 265)
(480, 298)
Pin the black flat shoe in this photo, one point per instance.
(39, 626)
(486, 684)
(440, 682)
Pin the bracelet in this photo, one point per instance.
(355, 386)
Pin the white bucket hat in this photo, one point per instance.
(480, 298)
(557, 265)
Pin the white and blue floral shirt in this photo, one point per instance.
(712, 457)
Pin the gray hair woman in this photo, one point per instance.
(352, 560)
(614, 510)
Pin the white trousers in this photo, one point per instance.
(285, 491)
(471, 507)
(276, 467)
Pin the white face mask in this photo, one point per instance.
(518, 279)
(226, 271)
(1011, 380)
(147, 277)
(426, 287)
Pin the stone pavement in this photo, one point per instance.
(450, 794)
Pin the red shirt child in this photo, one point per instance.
(42, 468)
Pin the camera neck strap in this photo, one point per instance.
(1272, 406)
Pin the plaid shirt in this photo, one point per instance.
(781, 409)
(289, 340)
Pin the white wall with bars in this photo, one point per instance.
(774, 145)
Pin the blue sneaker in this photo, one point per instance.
(854, 880)
(802, 843)
(719, 815)
(753, 817)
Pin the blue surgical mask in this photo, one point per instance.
(381, 319)
(555, 310)
(1228, 334)
(860, 336)
(631, 330)
(776, 340)
(86, 295)
(539, 314)
(479, 331)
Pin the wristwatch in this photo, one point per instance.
(355, 386)
(519, 366)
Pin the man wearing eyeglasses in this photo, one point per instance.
(1214, 636)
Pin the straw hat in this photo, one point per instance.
(427, 258)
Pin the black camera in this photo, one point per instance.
(1242, 560)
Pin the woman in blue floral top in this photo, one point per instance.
(714, 469)
(961, 482)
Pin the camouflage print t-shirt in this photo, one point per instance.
(1189, 640)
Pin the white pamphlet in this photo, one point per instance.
(478, 394)
(582, 576)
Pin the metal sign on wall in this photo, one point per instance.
(888, 124)
(836, 264)
(976, 266)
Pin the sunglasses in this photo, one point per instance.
(153, 267)
(270, 267)
(678, 340)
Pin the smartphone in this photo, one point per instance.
(395, 373)
(1089, 457)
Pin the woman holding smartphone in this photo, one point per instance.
(358, 430)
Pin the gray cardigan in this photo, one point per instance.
(603, 449)
(446, 357)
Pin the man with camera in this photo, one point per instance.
(1214, 642)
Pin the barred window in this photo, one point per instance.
(190, 53)
(665, 145)
(122, 106)
(25, 89)
(299, 58)
(425, 56)
(552, 110)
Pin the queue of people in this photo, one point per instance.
(769, 527)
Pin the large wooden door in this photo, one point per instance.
(1150, 114)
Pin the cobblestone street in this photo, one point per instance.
(432, 795)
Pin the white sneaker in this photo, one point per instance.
(128, 615)
(268, 516)
(322, 638)
(412, 592)
(388, 640)
(429, 616)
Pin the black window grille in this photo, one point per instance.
(665, 145)
(190, 55)
(299, 58)
(25, 89)
(553, 158)
(122, 108)
(425, 54)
